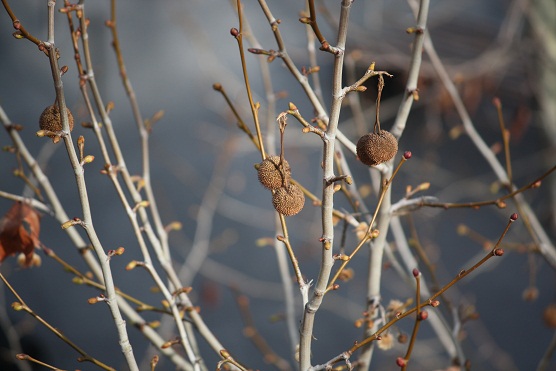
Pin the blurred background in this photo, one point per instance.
(174, 52)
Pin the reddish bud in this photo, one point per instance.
(17, 24)
(423, 315)
(234, 32)
(401, 362)
(416, 272)
(496, 102)
(499, 252)
(537, 184)
(513, 217)
(549, 316)
(216, 86)
(530, 294)
(402, 338)
(435, 303)
(154, 360)
(407, 155)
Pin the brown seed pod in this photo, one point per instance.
(50, 120)
(288, 200)
(272, 174)
(376, 148)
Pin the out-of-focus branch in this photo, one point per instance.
(546, 247)
(378, 245)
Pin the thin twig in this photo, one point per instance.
(21, 305)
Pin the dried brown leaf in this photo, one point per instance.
(19, 232)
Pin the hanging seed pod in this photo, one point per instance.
(272, 174)
(376, 148)
(288, 200)
(50, 120)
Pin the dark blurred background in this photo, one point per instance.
(174, 52)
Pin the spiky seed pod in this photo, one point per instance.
(376, 148)
(272, 175)
(288, 200)
(50, 120)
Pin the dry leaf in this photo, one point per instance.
(19, 233)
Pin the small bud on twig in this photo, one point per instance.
(154, 360)
(71, 223)
(88, 159)
(401, 362)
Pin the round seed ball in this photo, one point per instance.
(50, 120)
(271, 174)
(374, 149)
(288, 200)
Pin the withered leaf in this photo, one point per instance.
(19, 232)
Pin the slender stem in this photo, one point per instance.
(18, 26)
(327, 238)
(505, 139)
(411, 88)
(126, 347)
(254, 108)
(21, 305)
(417, 322)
